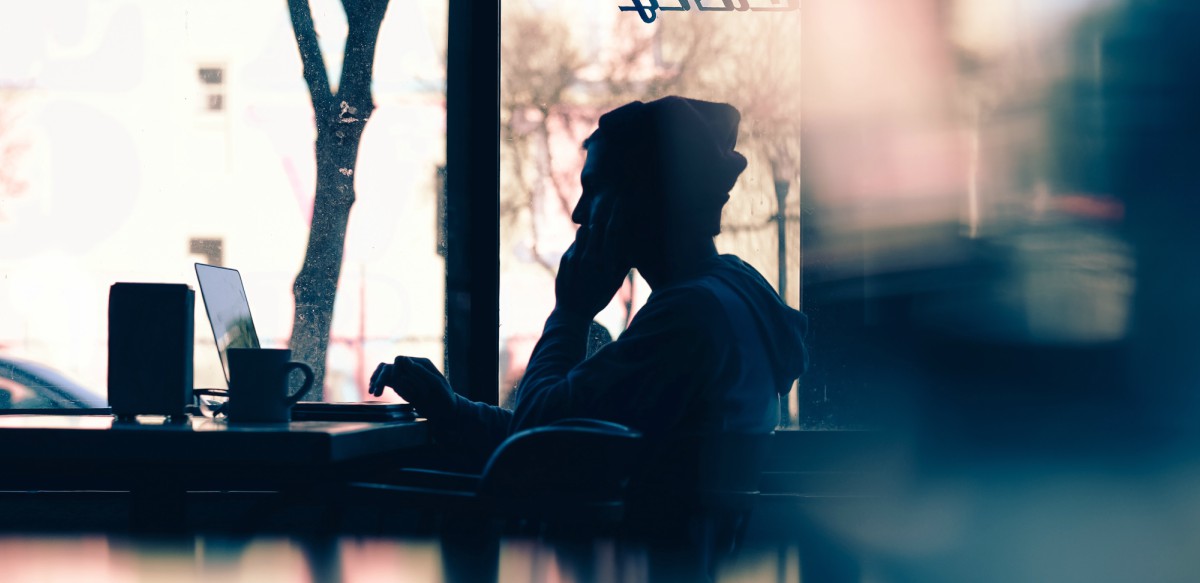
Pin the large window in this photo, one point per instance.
(929, 180)
(563, 66)
(146, 135)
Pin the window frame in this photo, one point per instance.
(473, 199)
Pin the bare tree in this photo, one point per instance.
(649, 63)
(539, 64)
(340, 115)
(545, 92)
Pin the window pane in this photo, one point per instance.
(140, 136)
(561, 69)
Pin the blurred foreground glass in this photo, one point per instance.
(348, 559)
(963, 253)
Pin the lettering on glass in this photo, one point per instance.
(648, 9)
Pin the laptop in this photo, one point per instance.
(233, 327)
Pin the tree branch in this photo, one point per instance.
(364, 18)
(560, 191)
(310, 54)
(517, 144)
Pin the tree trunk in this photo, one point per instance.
(340, 118)
(316, 285)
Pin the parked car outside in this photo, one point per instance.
(30, 385)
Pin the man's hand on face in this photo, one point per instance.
(417, 381)
(594, 267)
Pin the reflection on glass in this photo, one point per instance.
(228, 310)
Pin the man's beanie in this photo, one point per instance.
(678, 148)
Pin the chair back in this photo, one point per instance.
(570, 466)
(710, 479)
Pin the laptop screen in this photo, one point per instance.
(228, 310)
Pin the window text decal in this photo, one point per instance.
(648, 9)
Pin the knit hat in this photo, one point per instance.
(680, 150)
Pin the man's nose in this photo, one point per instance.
(583, 210)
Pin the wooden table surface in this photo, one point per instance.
(102, 439)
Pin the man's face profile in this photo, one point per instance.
(597, 187)
(603, 205)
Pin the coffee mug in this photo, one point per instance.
(258, 384)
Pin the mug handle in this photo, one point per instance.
(308, 379)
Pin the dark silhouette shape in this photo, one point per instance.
(713, 348)
(150, 337)
(258, 384)
(537, 474)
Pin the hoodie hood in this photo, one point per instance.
(781, 326)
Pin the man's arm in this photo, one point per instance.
(473, 425)
(454, 419)
(646, 379)
(562, 346)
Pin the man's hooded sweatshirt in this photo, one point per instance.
(710, 354)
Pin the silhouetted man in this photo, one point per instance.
(713, 348)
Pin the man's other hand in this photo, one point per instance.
(417, 381)
(593, 268)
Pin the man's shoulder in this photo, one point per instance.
(706, 286)
(694, 306)
(701, 299)
(693, 294)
